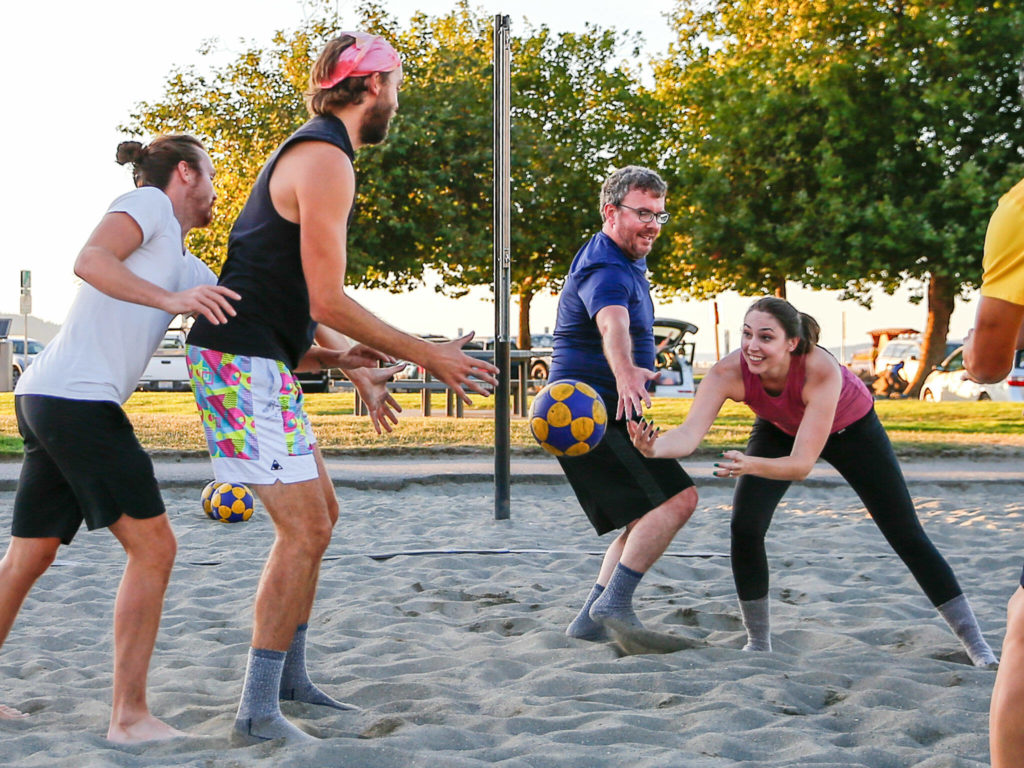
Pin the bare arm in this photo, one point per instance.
(316, 183)
(997, 333)
(723, 382)
(101, 264)
(630, 380)
(359, 362)
(335, 350)
(821, 396)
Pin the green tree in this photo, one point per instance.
(412, 191)
(578, 111)
(424, 196)
(846, 145)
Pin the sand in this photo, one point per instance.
(459, 659)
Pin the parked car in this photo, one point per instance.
(948, 381)
(674, 357)
(542, 345)
(1015, 381)
(907, 351)
(167, 370)
(21, 360)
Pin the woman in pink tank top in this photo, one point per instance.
(807, 406)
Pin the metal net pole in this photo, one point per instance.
(502, 262)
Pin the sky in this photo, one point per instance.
(73, 71)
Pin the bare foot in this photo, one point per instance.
(147, 728)
(10, 713)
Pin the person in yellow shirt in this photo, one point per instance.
(988, 358)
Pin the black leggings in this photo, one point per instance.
(864, 457)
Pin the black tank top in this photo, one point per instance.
(264, 266)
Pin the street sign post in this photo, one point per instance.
(26, 309)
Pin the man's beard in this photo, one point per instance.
(375, 125)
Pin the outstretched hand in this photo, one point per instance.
(449, 364)
(210, 301)
(644, 434)
(633, 394)
(371, 384)
(732, 464)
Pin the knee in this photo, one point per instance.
(320, 535)
(311, 541)
(682, 505)
(746, 529)
(161, 550)
(30, 562)
(332, 509)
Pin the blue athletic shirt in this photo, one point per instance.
(601, 276)
(264, 266)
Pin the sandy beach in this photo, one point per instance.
(458, 658)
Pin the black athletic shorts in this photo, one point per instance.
(616, 484)
(82, 462)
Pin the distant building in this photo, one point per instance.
(41, 330)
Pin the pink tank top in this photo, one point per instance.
(786, 410)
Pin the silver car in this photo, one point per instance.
(21, 361)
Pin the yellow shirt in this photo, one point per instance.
(1003, 263)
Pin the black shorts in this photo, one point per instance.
(616, 484)
(82, 462)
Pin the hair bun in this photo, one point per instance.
(129, 152)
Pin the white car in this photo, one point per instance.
(1015, 381)
(949, 382)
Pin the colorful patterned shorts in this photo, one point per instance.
(256, 428)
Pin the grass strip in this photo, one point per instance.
(169, 422)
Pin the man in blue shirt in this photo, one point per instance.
(604, 336)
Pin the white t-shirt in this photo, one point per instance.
(105, 343)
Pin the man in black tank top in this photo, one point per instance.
(287, 260)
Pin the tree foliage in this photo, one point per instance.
(424, 196)
(845, 145)
(578, 111)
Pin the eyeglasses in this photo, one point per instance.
(647, 216)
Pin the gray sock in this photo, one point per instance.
(958, 614)
(757, 623)
(259, 715)
(583, 627)
(295, 682)
(616, 602)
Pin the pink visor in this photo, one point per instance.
(368, 54)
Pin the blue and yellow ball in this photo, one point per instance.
(228, 502)
(568, 418)
(204, 497)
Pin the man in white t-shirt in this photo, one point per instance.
(82, 460)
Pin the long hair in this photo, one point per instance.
(795, 324)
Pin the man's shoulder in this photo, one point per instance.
(151, 210)
(600, 252)
(321, 130)
(143, 197)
